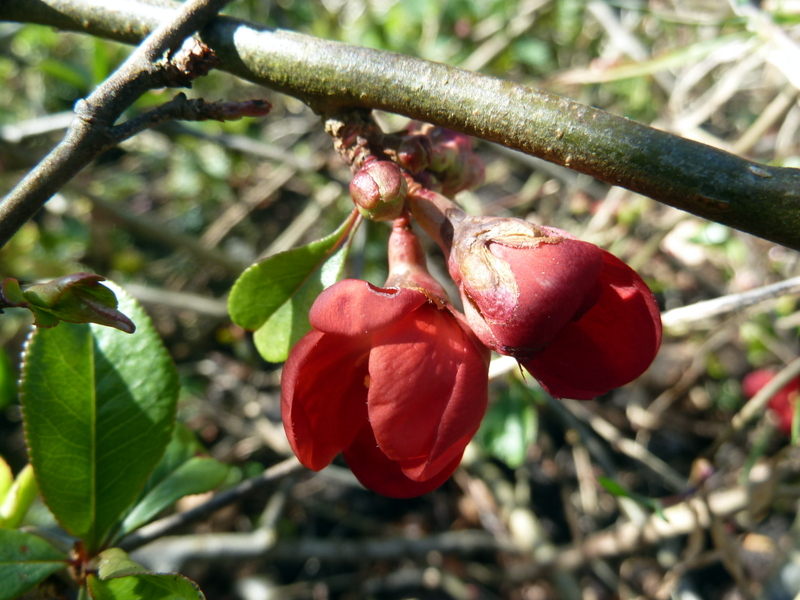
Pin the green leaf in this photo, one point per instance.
(115, 562)
(25, 559)
(199, 474)
(76, 298)
(19, 498)
(273, 297)
(152, 586)
(509, 427)
(182, 446)
(119, 578)
(98, 408)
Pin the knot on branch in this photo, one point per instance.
(194, 59)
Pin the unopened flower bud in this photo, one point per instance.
(414, 153)
(578, 318)
(465, 173)
(379, 190)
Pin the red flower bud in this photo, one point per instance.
(781, 404)
(379, 190)
(414, 153)
(391, 377)
(579, 319)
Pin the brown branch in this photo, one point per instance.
(332, 76)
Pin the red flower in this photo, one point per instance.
(782, 403)
(388, 376)
(579, 319)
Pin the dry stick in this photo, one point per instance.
(92, 130)
(678, 320)
(671, 478)
(332, 76)
(260, 543)
(681, 519)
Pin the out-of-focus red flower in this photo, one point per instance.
(390, 376)
(782, 403)
(578, 318)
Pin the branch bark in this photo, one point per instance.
(332, 76)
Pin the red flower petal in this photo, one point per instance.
(555, 282)
(323, 395)
(428, 391)
(610, 345)
(380, 474)
(353, 307)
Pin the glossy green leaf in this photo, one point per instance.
(276, 293)
(25, 559)
(152, 586)
(115, 562)
(19, 498)
(289, 323)
(120, 578)
(182, 446)
(197, 475)
(98, 407)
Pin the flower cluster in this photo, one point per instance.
(395, 378)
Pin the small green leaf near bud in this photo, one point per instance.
(76, 298)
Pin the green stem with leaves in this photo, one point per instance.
(332, 77)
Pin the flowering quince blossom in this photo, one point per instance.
(391, 377)
(781, 404)
(576, 317)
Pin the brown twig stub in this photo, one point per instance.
(194, 59)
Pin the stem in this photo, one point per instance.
(332, 76)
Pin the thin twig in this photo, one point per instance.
(215, 308)
(679, 319)
(629, 447)
(681, 519)
(259, 543)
